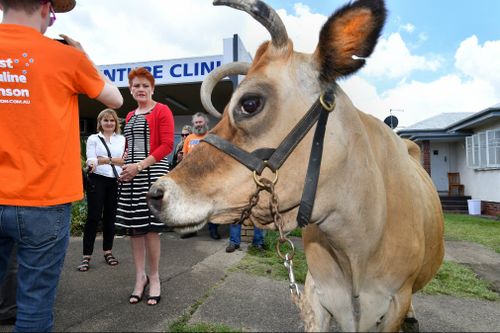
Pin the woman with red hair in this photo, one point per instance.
(149, 133)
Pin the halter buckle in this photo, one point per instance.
(328, 106)
(258, 180)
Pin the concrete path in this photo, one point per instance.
(484, 262)
(194, 274)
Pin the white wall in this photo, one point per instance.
(479, 184)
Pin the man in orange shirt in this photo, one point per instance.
(40, 172)
(200, 130)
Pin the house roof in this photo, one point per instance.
(440, 121)
(451, 126)
(485, 117)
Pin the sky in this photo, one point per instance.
(433, 56)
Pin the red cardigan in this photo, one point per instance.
(161, 130)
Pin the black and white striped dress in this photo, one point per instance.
(133, 216)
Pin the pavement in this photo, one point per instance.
(199, 284)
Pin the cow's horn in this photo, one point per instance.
(266, 15)
(233, 68)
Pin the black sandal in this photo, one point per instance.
(84, 265)
(134, 299)
(110, 259)
(154, 298)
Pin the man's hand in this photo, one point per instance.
(72, 42)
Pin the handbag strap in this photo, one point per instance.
(109, 154)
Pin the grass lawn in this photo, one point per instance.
(459, 281)
(269, 264)
(473, 229)
(452, 279)
(201, 327)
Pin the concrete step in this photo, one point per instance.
(454, 204)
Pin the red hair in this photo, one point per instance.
(141, 72)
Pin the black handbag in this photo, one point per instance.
(87, 181)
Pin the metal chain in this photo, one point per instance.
(254, 199)
(277, 218)
(264, 184)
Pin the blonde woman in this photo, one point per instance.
(102, 192)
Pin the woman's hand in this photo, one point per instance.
(91, 167)
(129, 171)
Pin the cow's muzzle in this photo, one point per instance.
(155, 199)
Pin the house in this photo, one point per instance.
(463, 143)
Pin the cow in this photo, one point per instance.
(374, 233)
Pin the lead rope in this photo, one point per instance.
(264, 184)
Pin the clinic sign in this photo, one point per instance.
(187, 70)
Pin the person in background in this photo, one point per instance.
(235, 238)
(104, 170)
(149, 134)
(178, 152)
(200, 130)
(40, 150)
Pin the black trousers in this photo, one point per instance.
(101, 204)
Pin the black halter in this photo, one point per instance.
(273, 158)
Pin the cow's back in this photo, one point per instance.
(414, 213)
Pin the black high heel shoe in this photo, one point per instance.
(154, 298)
(134, 299)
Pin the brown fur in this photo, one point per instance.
(376, 232)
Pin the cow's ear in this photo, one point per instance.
(352, 30)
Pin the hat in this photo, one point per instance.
(63, 6)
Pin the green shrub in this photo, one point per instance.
(78, 217)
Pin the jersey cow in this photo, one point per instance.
(375, 233)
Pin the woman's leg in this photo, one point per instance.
(139, 254)
(109, 215)
(95, 199)
(153, 246)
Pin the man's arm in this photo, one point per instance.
(110, 94)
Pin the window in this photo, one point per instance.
(483, 150)
(493, 146)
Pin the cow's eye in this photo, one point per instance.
(251, 104)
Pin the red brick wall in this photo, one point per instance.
(246, 233)
(490, 208)
(426, 155)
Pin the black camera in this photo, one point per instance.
(62, 41)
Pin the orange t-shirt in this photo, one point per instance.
(191, 141)
(40, 80)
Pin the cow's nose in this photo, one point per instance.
(155, 198)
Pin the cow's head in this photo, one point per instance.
(279, 87)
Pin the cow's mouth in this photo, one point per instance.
(186, 229)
